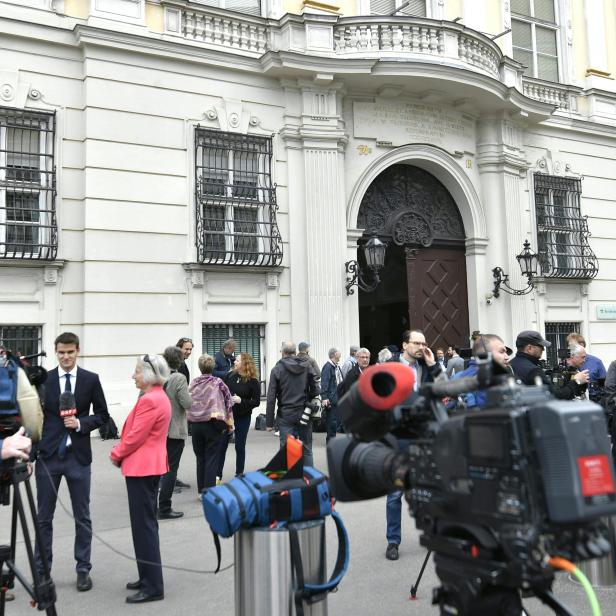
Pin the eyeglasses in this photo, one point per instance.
(419, 343)
(146, 359)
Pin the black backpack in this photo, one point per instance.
(109, 430)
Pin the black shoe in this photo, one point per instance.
(170, 515)
(177, 490)
(180, 484)
(391, 553)
(142, 597)
(84, 581)
(133, 585)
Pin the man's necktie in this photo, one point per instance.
(64, 439)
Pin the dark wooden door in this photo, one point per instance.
(438, 300)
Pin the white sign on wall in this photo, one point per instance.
(413, 122)
(606, 312)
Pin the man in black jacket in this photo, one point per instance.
(64, 451)
(418, 356)
(292, 384)
(526, 367)
(331, 377)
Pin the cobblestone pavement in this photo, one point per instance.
(373, 585)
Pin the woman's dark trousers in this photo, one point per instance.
(175, 447)
(142, 508)
(242, 426)
(206, 439)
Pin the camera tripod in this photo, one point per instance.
(42, 590)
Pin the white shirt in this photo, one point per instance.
(62, 380)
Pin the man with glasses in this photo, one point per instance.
(419, 357)
(527, 367)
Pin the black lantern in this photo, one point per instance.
(529, 266)
(374, 253)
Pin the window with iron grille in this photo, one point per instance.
(28, 228)
(236, 201)
(534, 31)
(416, 8)
(557, 333)
(22, 340)
(248, 338)
(562, 231)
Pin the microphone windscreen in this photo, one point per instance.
(67, 400)
(29, 407)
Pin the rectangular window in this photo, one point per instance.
(562, 231)
(534, 32)
(28, 228)
(557, 333)
(415, 8)
(249, 339)
(236, 201)
(22, 340)
(248, 7)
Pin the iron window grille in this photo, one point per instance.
(248, 337)
(534, 32)
(28, 228)
(247, 7)
(562, 231)
(236, 200)
(557, 333)
(21, 340)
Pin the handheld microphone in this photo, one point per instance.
(68, 406)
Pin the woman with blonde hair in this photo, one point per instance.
(245, 388)
(211, 418)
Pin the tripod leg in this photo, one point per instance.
(415, 586)
(550, 600)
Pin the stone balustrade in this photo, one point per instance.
(563, 97)
(375, 36)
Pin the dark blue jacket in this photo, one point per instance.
(88, 392)
(329, 389)
(472, 399)
(224, 364)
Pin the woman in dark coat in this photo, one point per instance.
(246, 392)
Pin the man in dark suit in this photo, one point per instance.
(64, 451)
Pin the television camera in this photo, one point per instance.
(497, 494)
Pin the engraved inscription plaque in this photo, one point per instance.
(413, 122)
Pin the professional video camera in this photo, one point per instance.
(497, 494)
(20, 405)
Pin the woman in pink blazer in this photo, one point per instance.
(142, 456)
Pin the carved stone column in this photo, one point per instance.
(325, 222)
(503, 168)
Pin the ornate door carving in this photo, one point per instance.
(438, 301)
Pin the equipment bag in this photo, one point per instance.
(8, 388)
(260, 422)
(109, 430)
(273, 494)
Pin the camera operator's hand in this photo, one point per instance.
(325, 403)
(428, 356)
(581, 377)
(17, 446)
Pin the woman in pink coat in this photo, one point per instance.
(142, 456)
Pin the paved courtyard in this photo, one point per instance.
(373, 585)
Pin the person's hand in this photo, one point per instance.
(581, 377)
(268, 429)
(236, 399)
(325, 402)
(72, 423)
(114, 461)
(17, 445)
(428, 356)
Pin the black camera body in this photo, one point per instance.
(495, 493)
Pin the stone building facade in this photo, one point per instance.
(172, 168)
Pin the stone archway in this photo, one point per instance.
(424, 281)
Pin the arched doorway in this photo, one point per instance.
(424, 279)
